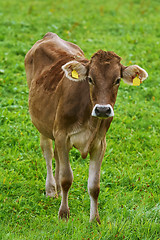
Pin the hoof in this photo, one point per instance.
(51, 194)
(64, 214)
(96, 219)
(51, 191)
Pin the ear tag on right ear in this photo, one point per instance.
(136, 81)
(75, 74)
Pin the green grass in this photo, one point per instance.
(130, 194)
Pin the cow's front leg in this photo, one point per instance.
(47, 149)
(65, 175)
(96, 156)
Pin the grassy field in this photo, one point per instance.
(129, 201)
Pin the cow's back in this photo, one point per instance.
(51, 52)
(45, 78)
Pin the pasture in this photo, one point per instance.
(129, 200)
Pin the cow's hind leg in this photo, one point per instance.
(57, 172)
(65, 175)
(46, 146)
(96, 156)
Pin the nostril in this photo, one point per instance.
(97, 111)
(108, 110)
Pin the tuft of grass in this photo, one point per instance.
(129, 198)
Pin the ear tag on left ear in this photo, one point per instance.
(75, 74)
(136, 81)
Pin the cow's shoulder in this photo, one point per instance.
(62, 45)
(52, 47)
(47, 56)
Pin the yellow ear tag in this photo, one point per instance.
(136, 81)
(74, 74)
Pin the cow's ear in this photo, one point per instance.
(75, 71)
(131, 72)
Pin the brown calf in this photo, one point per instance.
(71, 101)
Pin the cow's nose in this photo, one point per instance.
(103, 111)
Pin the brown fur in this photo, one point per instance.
(105, 56)
(61, 109)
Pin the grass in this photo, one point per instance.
(129, 198)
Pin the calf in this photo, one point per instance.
(71, 101)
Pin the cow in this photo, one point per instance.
(71, 102)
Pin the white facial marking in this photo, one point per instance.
(103, 106)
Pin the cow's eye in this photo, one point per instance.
(117, 82)
(90, 81)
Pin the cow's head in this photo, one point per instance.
(103, 72)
